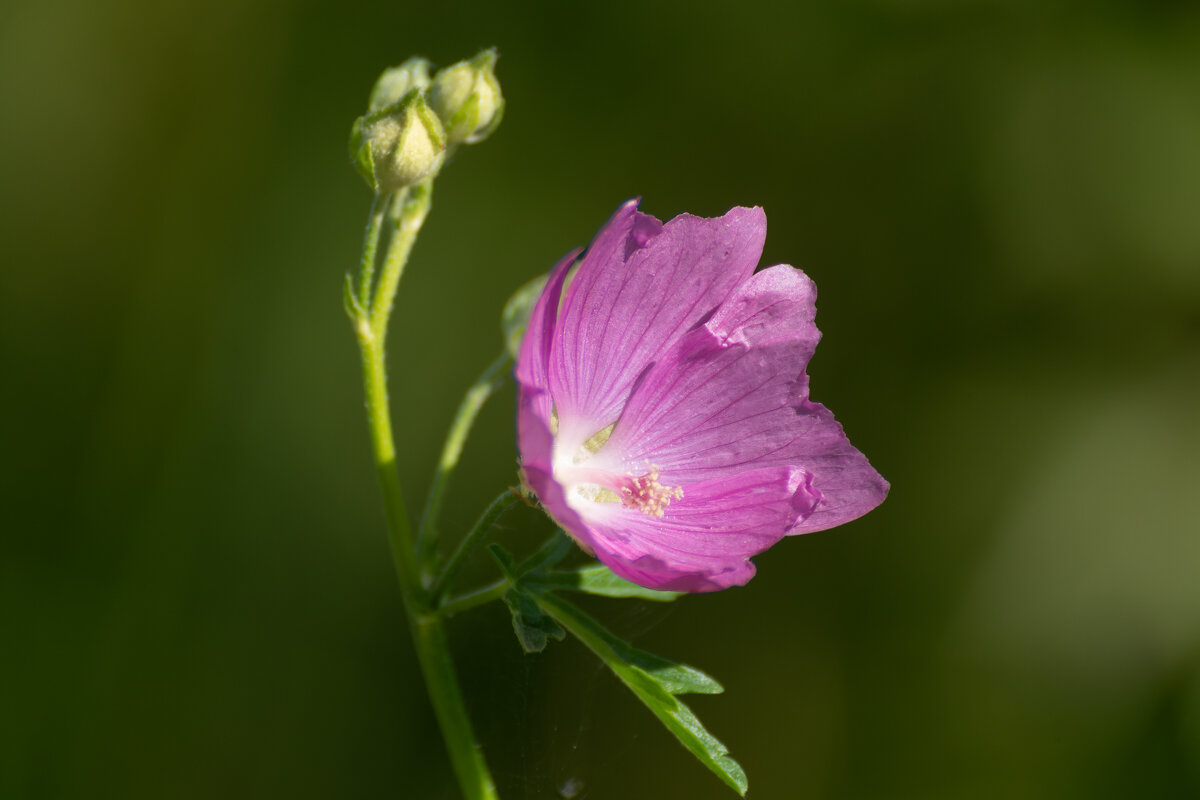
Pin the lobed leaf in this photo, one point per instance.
(533, 626)
(655, 681)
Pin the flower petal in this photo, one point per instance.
(534, 405)
(705, 539)
(641, 286)
(539, 332)
(732, 396)
(849, 485)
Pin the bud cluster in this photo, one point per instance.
(413, 119)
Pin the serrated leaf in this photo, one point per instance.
(515, 318)
(599, 580)
(676, 678)
(655, 681)
(533, 626)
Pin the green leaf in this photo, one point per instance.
(533, 626)
(655, 681)
(676, 678)
(515, 318)
(599, 580)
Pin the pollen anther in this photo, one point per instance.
(649, 496)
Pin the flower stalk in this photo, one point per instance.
(478, 597)
(413, 209)
(469, 543)
(487, 384)
(425, 624)
(366, 268)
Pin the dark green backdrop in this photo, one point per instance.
(1000, 203)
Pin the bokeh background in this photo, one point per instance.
(1000, 203)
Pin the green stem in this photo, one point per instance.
(379, 421)
(483, 388)
(408, 224)
(478, 597)
(469, 542)
(426, 627)
(433, 651)
(366, 268)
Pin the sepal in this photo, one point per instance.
(398, 145)
(467, 98)
(396, 82)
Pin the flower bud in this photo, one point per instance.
(398, 145)
(395, 82)
(466, 96)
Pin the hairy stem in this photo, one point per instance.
(478, 597)
(409, 219)
(426, 626)
(366, 268)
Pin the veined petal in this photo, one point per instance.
(721, 399)
(731, 396)
(849, 485)
(638, 289)
(705, 539)
(663, 416)
(531, 369)
(535, 408)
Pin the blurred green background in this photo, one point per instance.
(1000, 203)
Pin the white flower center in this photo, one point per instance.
(594, 482)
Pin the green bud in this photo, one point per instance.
(398, 145)
(395, 82)
(466, 96)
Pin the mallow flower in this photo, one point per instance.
(664, 420)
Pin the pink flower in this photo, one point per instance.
(664, 420)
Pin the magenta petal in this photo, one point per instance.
(849, 485)
(722, 401)
(532, 364)
(638, 288)
(663, 418)
(534, 357)
(705, 539)
(534, 405)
